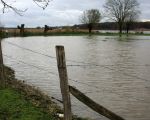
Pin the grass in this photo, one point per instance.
(13, 106)
(69, 33)
(80, 34)
(19, 101)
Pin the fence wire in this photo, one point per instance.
(82, 64)
(77, 64)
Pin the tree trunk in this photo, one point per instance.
(127, 30)
(127, 27)
(46, 29)
(90, 27)
(22, 30)
(90, 30)
(120, 28)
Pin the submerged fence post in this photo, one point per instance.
(61, 63)
(2, 79)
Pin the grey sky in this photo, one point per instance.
(59, 12)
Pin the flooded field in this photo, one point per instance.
(113, 71)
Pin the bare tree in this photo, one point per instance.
(90, 17)
(41, 3)
(120, 10)
(130, 20)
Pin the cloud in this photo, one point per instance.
(58, 12)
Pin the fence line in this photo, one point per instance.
(75, 91)
(49, 71)
(98, 89)
(43, 69)
(84, 63)
(31, 50)
(66, 89)
(2, 73)
(31, 65)
(60, 101)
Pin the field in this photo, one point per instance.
(63, 31)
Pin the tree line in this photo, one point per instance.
(114, 26)
(122, 12)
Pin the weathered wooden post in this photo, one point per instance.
(21, 29)
(61, 63)
(2, 76)
(46, 28)
(93, 105)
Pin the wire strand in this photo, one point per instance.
(55, 74)
(30, 50)
(84, 64)
(99, 89)
(31, 65)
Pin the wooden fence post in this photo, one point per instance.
(93, 105)
(61, 63)
(2, 79)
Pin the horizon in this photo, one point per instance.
(15, 27)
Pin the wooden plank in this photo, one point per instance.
(2, 80)
(93, 105)
(61, 63)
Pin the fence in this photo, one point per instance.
(66, 89)
(2, 79)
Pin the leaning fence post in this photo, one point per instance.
(61, 63)
(2, 80)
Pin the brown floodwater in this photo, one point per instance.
(113, 71)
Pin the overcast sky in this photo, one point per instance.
(59, 12)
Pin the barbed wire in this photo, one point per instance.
(84, 64)
(33, 51)
(79, 64)
(126, 74)
(55, 74)
(40, 68)
(99, 89)
(96, 65)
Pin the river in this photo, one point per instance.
(113, 71)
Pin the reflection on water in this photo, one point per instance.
(117, 76)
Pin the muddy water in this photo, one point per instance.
(117, 75)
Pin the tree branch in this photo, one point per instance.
(41, 3)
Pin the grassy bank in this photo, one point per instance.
(69, 34)
(20, 101)
(15, 107)
(80, 34)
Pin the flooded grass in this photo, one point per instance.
(3, 35)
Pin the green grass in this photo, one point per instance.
(13, 106)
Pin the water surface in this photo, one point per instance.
(113, 71)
